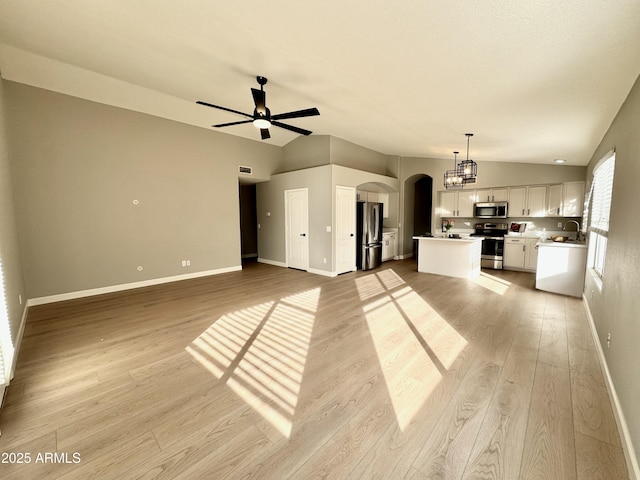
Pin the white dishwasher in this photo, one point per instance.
(561, 267)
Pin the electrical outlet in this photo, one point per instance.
(188, 263)
(20, 298)
(609, 340)
(559, 224)
(184, 263)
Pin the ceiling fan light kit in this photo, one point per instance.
(261, 117)
(463, 173)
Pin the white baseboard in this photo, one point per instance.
(322, 272)
(271, 262)
(16, 348)
(627, 444)
(127, 286)
(405, 255)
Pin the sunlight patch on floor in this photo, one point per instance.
(414, 344)
(492, 283)
(261, 352)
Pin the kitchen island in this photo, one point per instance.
(561, 267)
(454, 257)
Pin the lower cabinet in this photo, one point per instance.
(389, 246)
(520, 253)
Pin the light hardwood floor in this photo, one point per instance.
(272, 373)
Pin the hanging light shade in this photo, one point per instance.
(452, 178)
(468, 169)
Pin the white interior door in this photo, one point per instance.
(345, 229)
(296, 208)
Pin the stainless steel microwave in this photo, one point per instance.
(490, 210)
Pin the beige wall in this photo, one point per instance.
(321, 183)
(271, 215)
(615, 308)
(77, 168)
(354, 156)
(306, 152)
(11, 280)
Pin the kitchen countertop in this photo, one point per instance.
(570, 244)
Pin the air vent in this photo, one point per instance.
(245, 170)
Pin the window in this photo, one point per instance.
(599, 201)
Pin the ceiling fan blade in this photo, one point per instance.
(223, 108)
(309, 112)
(301, 131)
(264, 133)
(231, 123)
(259, 98)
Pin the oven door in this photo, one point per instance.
(492, 252)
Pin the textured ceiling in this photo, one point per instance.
(533, 81)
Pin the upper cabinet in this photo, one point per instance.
(554, 200)
(572, 199)
(457, 203)
(383, 198)
(558, 200)
(492, 195)
(377, 197)
(566, 200)
(528, 201)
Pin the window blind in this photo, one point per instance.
(602, 192)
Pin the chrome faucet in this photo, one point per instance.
(578, 232)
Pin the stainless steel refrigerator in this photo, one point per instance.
(369, 235)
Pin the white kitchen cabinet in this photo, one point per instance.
(448, 204)
(389, 246)
(531, 254)
(554, 200)
(537, 201)
(500, 194)
(565, 200)
(572, 199)
(457, 203)
(520, 253)
(517, 201)
(466, 199)
(561, 268)
(383, 198)
(514, 252)
(528, 201)
(372, 197)
(492, 195)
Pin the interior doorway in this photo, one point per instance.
(423, 191)
(248, 223)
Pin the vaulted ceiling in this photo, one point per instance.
(534, 81)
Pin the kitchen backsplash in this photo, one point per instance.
(534, 226)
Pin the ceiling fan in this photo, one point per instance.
(262, 117)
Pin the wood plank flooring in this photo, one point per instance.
(272, 373)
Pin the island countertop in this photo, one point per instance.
(460, 239)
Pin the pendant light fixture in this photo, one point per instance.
(463, 173)
(452, 178)
(468, 169)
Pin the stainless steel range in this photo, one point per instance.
(493, 244)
